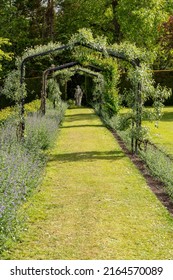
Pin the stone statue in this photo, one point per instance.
(78, 96)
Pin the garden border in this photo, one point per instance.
(155, 185)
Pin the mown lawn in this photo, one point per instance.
(162, 135)
(93, 203)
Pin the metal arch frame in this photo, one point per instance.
(96, 74)
(58, 68)
(44, 78)
(135, 63)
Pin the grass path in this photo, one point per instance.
(93, 203)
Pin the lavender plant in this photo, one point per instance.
(22, 164)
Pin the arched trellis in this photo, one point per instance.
(44, 78)
(134, 62)
(90, 73)
(58, 68)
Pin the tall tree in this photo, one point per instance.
(99, 16)
(116, 24)
(49, 16)
(140, 20)
(167, 36)
(165, 58)
(13, 25)
(26, 22)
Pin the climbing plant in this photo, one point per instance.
(12, 87)
(137, 63)
(98, 79)
(88, 49)
(54, 93)
(148, 91)
(107, 65)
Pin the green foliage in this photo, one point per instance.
(101, 55)
(3, 54)
(137, 113)
(71, 104)
(110, 71)
(99, 89)
(64, 75)
(36, 50)
(134, 53)
(85, 36)
(11, 112)
(12, 88)
(14, 26)
(76, 14)
(54, 93)
(32, 106)
(25, 23)
(108, 65)
(31, 23)
(149, 91)
(143, 89)
(120, 122)
(140, 21)
(6, 113)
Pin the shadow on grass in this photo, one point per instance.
(87, 156)
(84, 125)
(80, 117)
(167, 117)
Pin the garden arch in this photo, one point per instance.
(134, 62)
(59, 68)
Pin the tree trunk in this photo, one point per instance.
(50, 20)
(117, 34)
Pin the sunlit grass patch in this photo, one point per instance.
(162, 133)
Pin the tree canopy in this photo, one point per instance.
(32, 22)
